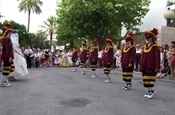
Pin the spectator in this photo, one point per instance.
(161, 60)
(118, 58)
(137, 56)
(100, 55)
(171, 60)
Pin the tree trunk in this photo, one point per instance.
(28, 26)
(51, 39)
(51, 36)
(101, 42)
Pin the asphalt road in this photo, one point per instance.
(60, 91)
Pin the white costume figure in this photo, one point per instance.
(19, 60)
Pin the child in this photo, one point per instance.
(93, 57)
(7, 55)
(150, 62)
(65, 60)
(127, 61)
(83, 57)
(108, 58)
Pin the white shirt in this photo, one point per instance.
(28, 51)
(138, 51)
(100, 54)
(15, 39)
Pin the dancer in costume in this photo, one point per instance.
(93, 57)
(150, 62)
(127, 60)
(83, 57)
(75, 57)
(108, 58)
(7, 55)
(19, 60)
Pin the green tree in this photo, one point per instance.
(98, 18)
(21, 30)
(49, 27)
(30, 6)
(35, 40)
(40, 40)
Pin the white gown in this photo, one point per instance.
(19, 60)
(69, 54)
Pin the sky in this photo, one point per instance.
(9, 9)
(154, 18)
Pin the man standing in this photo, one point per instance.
(7, 55)
(150, 62)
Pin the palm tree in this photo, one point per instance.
(49, 27)
(28, 6)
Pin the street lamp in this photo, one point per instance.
(169, 15)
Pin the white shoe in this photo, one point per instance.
(83, 73)
(124, 86)
(158, 74)
(146, 95)
(107, 81)
(74, 70)
(128, 87)
(150, 95)
(93, 76)
(5, 85)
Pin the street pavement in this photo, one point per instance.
(60, 91)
